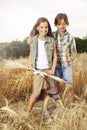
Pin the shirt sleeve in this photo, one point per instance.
(73, 46)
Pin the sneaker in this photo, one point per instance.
(46, 116)
(57, 113)
(72, 112)
(25, 116)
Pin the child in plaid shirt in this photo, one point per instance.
(66, 52)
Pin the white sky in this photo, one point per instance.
(17, 17)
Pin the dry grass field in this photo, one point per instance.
(15, 90)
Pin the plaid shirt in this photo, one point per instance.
(66, 46)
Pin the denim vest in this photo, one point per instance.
(48, 48)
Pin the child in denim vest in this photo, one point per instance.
(42, 57)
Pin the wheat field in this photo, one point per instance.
(15, 90)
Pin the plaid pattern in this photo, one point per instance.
(66, 46)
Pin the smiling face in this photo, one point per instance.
(43, 29)
(61, 26)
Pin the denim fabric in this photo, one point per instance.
(65, 73)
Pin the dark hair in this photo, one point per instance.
(34, 30)
(59, 17)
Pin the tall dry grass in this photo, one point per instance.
(15, 82)
(80, 75)
(16, 85)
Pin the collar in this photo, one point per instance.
(65, 33)
(47, 38)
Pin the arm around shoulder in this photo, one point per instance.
(29, 40)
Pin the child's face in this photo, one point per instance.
(61, 26)
(43, 28)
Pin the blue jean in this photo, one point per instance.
(65, 73)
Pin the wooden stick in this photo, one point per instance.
(14, 64)
(50, 76)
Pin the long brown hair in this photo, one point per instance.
(34, 30)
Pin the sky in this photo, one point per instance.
(17, 17)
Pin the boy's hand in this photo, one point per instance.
(30, 67)
(29, 40)
(50, 72)
(70, 59)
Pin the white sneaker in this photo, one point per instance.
(57, 113)
(25, 116)
(46, 116)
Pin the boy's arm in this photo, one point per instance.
(29, 40)
(72, 50)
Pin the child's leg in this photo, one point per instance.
(58, 111)
(55, 97)
(59, 74)
(69, 85)
(31, 102)
(37, 87)
(46, 115)
(69, 93)
(45, 103)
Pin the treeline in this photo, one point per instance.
(17, 49)
(81, 45)
(14, 49)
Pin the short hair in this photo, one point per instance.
(61, 16)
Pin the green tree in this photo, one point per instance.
(81, 45)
